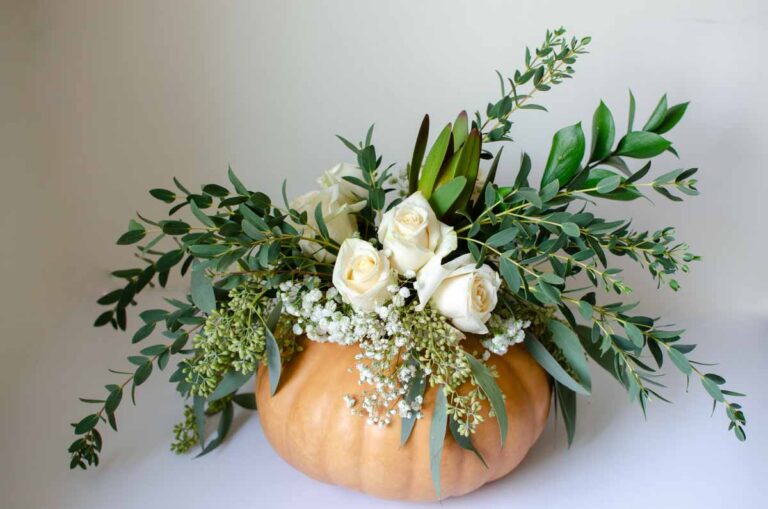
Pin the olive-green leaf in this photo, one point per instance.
(574, 353)
(464, 442)
(551, 366)
(273, 360)
(510, 274)
(200, 215)
(246, 400)
(239, 187)
(437, 436)
(642, 145)
(712, 388)
(503, 237)
(131, 237)
(679, 360)
(86, 424)
(634, 334)
(434, 162)
(202, 289)
(418, 155)
(566, 398)
(492, 391)
(597, 175)
(460, 130)
(658, 115)
(446, 195)
(469, 165)
(231, 382)
(416, 386)
(673, 116)
(570, 229)
(208, 250)
(163, 195)
(608, 184)
(603, 133)
(565, 155)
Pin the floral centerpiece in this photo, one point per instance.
(448, 289)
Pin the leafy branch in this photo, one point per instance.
(549, 65)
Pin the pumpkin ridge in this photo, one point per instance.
(351, 453)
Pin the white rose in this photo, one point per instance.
(362, 274)
(467, 294)
(335, 177)
(413, 236)
(338, 215)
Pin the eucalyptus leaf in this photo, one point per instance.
(273, 360)
(231, 382)
(202, 289)
(551, 366)
(437, 436)
(565, 155)
(492, 391)
(603, 133)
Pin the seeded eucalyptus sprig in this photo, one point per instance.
(241, 237)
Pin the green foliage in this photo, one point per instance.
(437, 436)
(237, 247)
(549, 65)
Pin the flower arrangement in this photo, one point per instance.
(428, 273)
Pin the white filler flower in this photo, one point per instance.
(412, 236)
(467, 295)
(362, 275)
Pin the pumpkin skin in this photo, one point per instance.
(308, 423)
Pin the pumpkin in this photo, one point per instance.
(308, 423)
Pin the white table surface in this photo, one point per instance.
(679, 457)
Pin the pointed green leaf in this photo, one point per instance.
(469, 166)
(603, 133)
(673, 116)
(597, 175)
(200, 215)
(565, 155)
(460, 130)
(464, 442)
(131, 237)
(491, 389)
(642, 145)
(446, 195)
(418, 155)
(202, 289)
(231, 382)
(239, 187)
(416, 386)
(510, 274)
(679, 360)
(566, 398)
(658, 115)
(273, 360)
(574, 353)
(434, 162)
(437, 436)
(551, 366)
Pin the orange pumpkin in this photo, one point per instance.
(310, 426)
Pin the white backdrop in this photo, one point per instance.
(102, 100)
